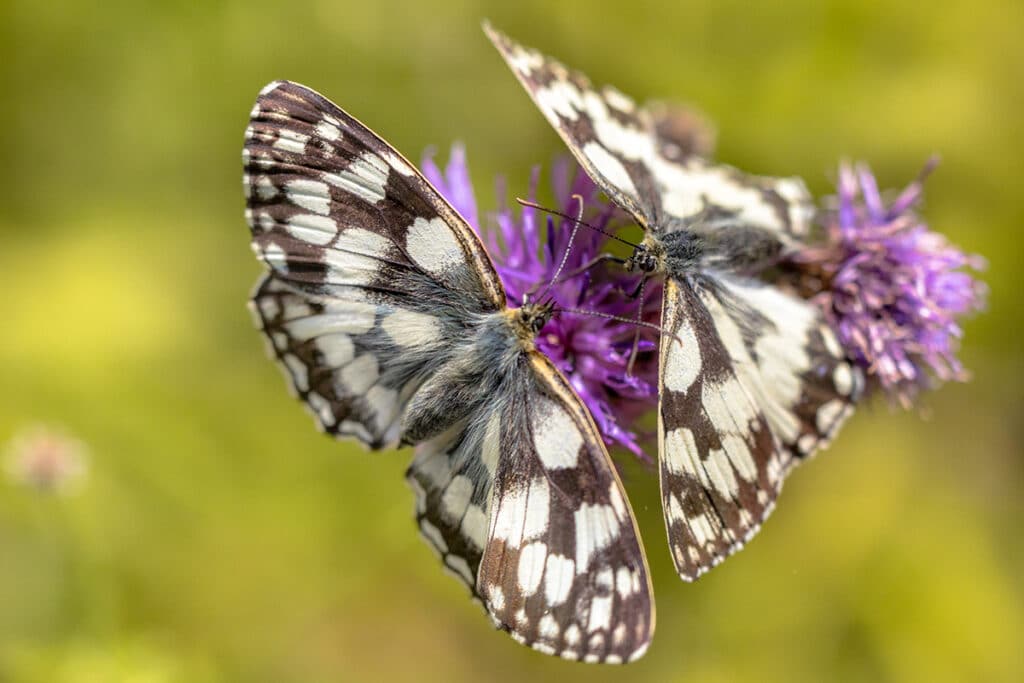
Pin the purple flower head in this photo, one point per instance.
(894, 289)
(526, 247)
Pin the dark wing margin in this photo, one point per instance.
(751, 382)
(371, 270)
(564, 569)
(650, 160)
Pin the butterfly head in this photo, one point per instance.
(648, 256)
(536, 316)
(530, 319)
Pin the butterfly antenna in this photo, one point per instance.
(600, 258)
(617, 318)
(636, 334)
(534, 205)
(568, 247)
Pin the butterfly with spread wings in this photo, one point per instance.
(391, 325)
(752, 380)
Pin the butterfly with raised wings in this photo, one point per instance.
(752, 380)
(392, 327)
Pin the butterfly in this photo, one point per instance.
(751, 380)
(392, 327)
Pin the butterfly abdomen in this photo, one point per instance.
(742, 248)
(738, 248)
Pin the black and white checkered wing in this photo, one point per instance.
(645, 161)
(525, 506)
(374, 286)
(371, 271)
(752, 380)
(452, 476)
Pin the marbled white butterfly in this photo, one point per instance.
(392, 326)
(752, 380)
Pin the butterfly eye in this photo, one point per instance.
(642, 260)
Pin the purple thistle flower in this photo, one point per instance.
(893, 289)
(590, 350)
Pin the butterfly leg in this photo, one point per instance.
(575, 272)
(639, 293)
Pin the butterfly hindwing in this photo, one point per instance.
(682, 132)
(332, 358)
(787, 357)
(452, 476)
(751, 381)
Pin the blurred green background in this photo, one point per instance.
(219, 537)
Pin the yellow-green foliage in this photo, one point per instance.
(218, 537)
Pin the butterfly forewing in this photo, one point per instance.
(720, 464)
(563, 569)
(523, 505)
(583, 118)
(751, 381)
(330, 203)
(368, 262)
(634, 154)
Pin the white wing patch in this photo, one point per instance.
(559, 577)
(312, 228)
(365, 178)
(682, 363)
(408, 328)
(596, 527)
(313, 195)
(432, 246)
(555, 436)
(610, 167)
